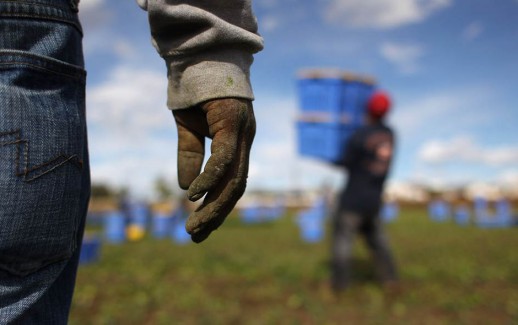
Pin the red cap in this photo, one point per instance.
(378, 104)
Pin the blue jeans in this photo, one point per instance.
(346, 224)
(44, 169)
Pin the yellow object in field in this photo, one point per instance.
(135, 232)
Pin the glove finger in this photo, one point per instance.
(226, 118)
(222, 152)
(220, 202)
(216, 206)
(191, 151)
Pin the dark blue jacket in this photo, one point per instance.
(367, 158)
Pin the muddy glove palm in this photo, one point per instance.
(230, 123)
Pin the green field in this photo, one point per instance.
(264, 274)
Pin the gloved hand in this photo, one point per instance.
(230, 122)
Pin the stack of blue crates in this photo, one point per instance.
(332, 106)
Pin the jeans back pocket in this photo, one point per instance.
(43, 162)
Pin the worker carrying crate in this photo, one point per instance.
(333, 104)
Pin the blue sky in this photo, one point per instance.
(451, 67)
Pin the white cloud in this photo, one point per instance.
(275, 162)
(137, 172)
(273, 16)
(509, 177)
(465, 149)
(411, 117)
(90, 4)
(433, 114)
(124, 49)
(404, 56)
(93, 13)
(132, 133)
(279, 166)
(129, 100)
(382, 14)
(269, 23)
(100, 34)
(472, 31)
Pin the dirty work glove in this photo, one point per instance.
(230, 123)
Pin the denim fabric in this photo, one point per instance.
(346, 224)
(44, 169)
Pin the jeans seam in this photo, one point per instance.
(62, 14)
(36, 3)
(49, 17)
(79, 72)
(37, 67)
(24, 173)
(74, 160)
(35, 15)
(7, 260)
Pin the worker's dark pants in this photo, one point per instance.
(345, 225)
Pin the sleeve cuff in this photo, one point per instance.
(222, 75)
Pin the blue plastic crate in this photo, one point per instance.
(115, 227)
(321, 95)
(389, 211)
(139, 215)
(439, 211)
(494, 221)
(342, 99)
(251, 214)
(324, 141)
(90, 250)
(311, 222)
(352, 111)
(179, 234)
(462, 215)
(161, 224)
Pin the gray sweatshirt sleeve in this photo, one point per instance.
(208, 47)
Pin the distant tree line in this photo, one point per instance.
(163, 189)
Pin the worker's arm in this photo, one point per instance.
(207, 46)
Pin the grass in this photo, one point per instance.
(264, 274)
